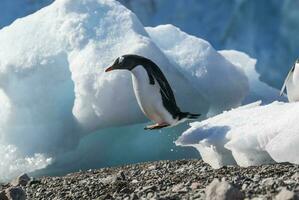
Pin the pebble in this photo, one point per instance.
(22, 180)
(15, 193)
(285, 194)
(222, 190)
(181, 179)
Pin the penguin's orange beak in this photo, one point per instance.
(109, 69)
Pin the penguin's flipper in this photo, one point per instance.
(286, 80)
(156, 126)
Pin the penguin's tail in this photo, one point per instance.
(187, 115)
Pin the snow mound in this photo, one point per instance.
(249, 135)
(223, 84)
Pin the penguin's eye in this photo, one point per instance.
(120, 59)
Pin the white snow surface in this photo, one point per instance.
(223, 85)
(53, 88)
(253, 134)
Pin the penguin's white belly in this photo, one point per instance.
(292, 86)
(149, 97)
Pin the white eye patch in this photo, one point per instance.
(120, 59)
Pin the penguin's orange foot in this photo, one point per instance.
(156, 126)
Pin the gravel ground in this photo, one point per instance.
(183, 179)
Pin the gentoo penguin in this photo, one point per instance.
(153, 92)
(291, 83)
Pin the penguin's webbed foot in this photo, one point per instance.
(155, 126)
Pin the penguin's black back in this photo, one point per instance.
(168, 98)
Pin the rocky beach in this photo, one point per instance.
(182, 179)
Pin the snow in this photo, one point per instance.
(253, 134)
(258, 89)
(222, 84)
(54, 91)
(13, 163)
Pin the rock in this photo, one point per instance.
(222, 191)
(195, 185)
(286, 194)
(105, 197)
(108, 180)
(121, 176)
(268, 181)
(21, 180)
(152, 167)
(150, 195)
(256, 178)
(3, 196)
(134, 196)
(34, 182)
(15, 193)
(178, 187)
(147, 188)
(244, 186)
(168, 183)
(134, 181)
(296, 176)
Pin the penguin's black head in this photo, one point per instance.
(297, 61)
(127, 62)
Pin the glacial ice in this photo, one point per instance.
(266, 30)
(223, 85)
(253, 134)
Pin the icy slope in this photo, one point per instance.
(249, 135)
